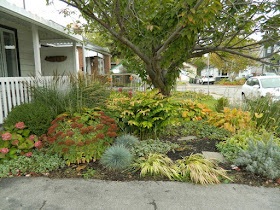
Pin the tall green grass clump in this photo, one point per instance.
(71, 93)
(116, 158)
(265, 112)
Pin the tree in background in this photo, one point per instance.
(165, 33)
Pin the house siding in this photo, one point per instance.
(67, 66)
(25, 47)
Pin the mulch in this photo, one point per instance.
(240, 176)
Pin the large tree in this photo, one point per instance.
(165, 33)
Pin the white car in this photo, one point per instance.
(262, 86)
(204, 80)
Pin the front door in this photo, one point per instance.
(8, 53)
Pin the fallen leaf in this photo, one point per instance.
(80, 167)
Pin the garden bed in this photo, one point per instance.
(195, 146)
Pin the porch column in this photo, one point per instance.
(36, 50)
(84, 59)
(75, 57)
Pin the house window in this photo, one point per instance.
(101, 66)
(8, 53)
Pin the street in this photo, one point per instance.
(233, 93)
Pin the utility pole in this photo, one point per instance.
(23, 4)
(208, 71)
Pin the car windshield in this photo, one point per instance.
(270, 82)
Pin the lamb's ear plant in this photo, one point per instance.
(200, 170)
(127, 140)
(261, 158)
(116, 157)
(156, 165)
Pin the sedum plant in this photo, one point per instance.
(200, 170)
(82, 137)
(261, 158)
(127, 140)
(16, 140)
(156, 165)
(116, 157)
(145, 147)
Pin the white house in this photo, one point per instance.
(33, 46)
(188, 71)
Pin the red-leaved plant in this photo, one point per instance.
(82, 138)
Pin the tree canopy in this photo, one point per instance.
(165, 33)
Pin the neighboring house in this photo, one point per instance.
(33, 46)
(187, 72)
(215, 72)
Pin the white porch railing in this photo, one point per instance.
(15, 91)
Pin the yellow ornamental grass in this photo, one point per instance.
(232, 120)
(156, 165)
(200, 170)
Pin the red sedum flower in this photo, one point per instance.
(20, 125)
(7, 136)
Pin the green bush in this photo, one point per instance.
(39, 162)
(204, 130)
(261, 158)
(126, 140)
(221, 104)
(232, 146)
(36, 116)
(116, 157)
(145, 114)
(145, 147)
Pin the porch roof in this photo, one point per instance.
(22, 14)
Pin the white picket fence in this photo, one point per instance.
(15, 91)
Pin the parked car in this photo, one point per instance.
(269, 74)
(261, 86)
(204, 80)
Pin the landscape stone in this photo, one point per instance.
(187, 138)
(214, 155)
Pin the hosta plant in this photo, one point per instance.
(16, 140)
(144, 147)
(82, 137)
(261, 158)
(232, 120)
(127, 140)
(116, 157)
(200, 170)
(156, 165)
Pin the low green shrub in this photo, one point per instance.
(38, 162)
(36, 116)
(127, 140)
(16, 140)
(204, 130)
(261, 158)
(231, 147)
(116, 157)
(82, 137)
(221, 104)
(145, 147)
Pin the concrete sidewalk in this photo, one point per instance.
(43, 193)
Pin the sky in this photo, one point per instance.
(50, 12)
